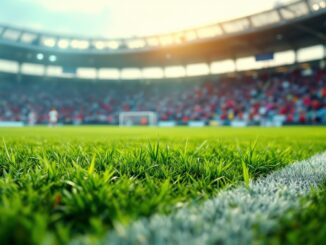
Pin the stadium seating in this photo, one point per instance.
(292, 96)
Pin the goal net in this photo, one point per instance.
(138, 118)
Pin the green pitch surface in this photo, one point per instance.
(60, 183)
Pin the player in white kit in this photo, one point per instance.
(32, 118)
(53, 117)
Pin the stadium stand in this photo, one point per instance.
(297, 96)
(227, 73)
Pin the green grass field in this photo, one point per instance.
(60, 183)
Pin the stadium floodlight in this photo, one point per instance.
(28, 37)
(131, 73)
(175, 72)
(99, 45)
(40, 56)
(197, 69)
(63, 43)
(79, 44)
(48, 42)
(108, 73)
(310, 53)
(138, 118)
(223, 66)
(9, 66)
(153, 73)
(54, 71)
(33, 69)
(86, 73)
(315, 7)
(284, 58)
(317, 4)
(52, 58)
(113, 44)
(248, 63)
(136, 43)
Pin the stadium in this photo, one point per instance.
(193, 134)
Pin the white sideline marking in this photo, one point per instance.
(228, 218)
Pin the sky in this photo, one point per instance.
(124, 18)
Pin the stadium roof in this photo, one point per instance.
(102, 18)
(296, 25)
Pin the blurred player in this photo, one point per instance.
(32, 118)
(53, 117)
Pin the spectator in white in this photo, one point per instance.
(53, 117)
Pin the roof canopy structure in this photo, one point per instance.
(293, 26)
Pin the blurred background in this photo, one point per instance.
(236, 63)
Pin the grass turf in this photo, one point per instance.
(305, 225)
(58, 183)
(231, 217)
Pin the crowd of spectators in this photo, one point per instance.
(294, 97)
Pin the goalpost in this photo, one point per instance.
(138, 118)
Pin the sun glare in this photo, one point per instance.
(113, 18)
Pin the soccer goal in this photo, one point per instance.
(138, 118)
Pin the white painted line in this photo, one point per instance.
(229, 217)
